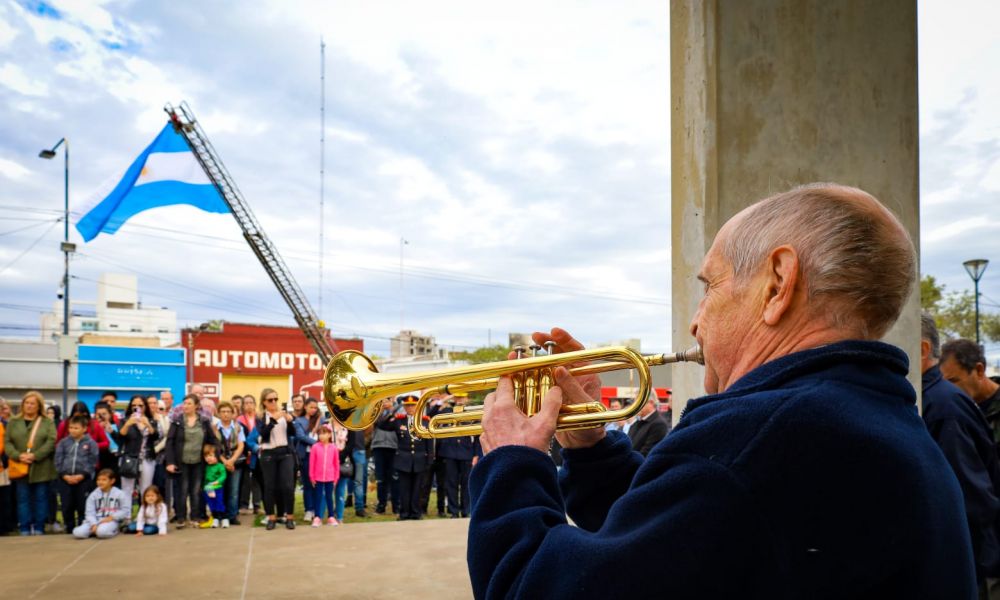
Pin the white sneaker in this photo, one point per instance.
(215, 523)
(225, 523)
(308, 516)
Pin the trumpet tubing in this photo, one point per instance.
(354, 389)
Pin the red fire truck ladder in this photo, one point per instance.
(185, 124)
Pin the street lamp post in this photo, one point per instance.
(67, 249)
(975, 268)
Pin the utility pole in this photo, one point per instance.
(322, 165)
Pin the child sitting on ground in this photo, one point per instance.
(324, 471)
(152, 517)
(215, 477)
(106, 509)
(76, 462)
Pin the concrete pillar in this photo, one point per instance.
(768, 94)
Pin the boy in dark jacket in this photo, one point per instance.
(76, 461)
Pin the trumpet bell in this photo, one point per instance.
(346, 393)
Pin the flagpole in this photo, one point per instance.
(402, 242)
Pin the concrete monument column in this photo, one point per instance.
(769, 94)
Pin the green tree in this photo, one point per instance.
(483, 355)
(955, 312)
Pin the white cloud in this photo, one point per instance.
(531, 154)
(14, 78)
(13, 170)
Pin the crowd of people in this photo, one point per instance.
(202, 463)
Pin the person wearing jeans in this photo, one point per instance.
(356, 445)
(383, 453)
(38, 452)
(340, 490)
(232, 456)
(185, 444)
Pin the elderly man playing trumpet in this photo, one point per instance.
(804, 473)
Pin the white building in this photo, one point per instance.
(117, 311)
(409, 343)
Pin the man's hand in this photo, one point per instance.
(27, 458)
(576, 390)
(171, 469)
(105, 520)
(211, 493)
(505, 425)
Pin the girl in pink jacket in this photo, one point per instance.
(324, 471)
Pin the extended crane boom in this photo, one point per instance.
(185, 124)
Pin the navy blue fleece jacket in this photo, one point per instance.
(811, 477)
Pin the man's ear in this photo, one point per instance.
(925, 349)
(980, 370)
(781, 276)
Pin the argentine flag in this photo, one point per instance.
(165, 173)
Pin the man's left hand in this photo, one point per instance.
(505, 425)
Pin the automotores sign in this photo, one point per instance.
(243, 359)
(253, 360)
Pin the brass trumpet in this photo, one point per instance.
(354, 389)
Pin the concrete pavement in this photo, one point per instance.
(410, 559)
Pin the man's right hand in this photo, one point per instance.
(171, 468)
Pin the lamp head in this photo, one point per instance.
(976, 267)
(47, 154)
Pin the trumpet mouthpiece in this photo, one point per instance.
(692, 354)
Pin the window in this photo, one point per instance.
(135, 329)
(163, 330)
(88, 325)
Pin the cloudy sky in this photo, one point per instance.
(526, 161)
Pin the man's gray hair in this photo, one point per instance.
(856, 259)
(929, 332)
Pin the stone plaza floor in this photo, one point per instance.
(410, 559)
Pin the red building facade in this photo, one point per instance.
(244, 359)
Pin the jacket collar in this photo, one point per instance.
(773, 374)
(931, 377)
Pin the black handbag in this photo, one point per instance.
(128, 466)
(347, 468)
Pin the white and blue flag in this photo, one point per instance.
(165, 173)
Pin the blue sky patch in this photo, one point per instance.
(43, 9)
(60, 45)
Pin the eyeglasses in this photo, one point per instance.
(270, 399)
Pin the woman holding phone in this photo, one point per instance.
(277, 459)
(137, 438)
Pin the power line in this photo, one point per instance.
(29, 248)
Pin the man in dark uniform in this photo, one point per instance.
(413, 456)
(457, 454)
(435, 475)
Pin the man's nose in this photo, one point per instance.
(693, 327)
